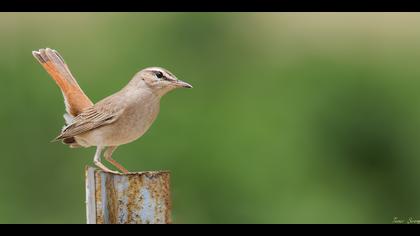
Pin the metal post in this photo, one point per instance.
(134, 198)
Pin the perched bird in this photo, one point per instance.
(115, 120)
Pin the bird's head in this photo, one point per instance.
(159, 80)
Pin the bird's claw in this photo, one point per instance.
(105, 169)
(112, 171)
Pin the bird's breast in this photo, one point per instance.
(133, 123)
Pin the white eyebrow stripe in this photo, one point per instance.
(165, 73)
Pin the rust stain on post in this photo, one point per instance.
(134, 198)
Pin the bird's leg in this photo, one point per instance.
(108, 157)
(98, 163)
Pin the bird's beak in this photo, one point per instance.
(183, 84)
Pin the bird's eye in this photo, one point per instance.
(159, 74)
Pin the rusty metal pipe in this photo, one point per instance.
(133, 198)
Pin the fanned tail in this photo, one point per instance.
(74, 98)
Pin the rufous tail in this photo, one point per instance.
(74, 98)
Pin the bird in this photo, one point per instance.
(118, 119)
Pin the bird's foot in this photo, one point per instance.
(123, 170)
(104, 168)
(112, 171)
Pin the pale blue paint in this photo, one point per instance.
(121, 183)
(147, 212)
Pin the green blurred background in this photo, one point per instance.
(294, 117)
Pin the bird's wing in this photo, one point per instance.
(102, 113)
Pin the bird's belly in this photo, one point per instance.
(126, 129)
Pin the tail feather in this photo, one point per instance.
(74, 98)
